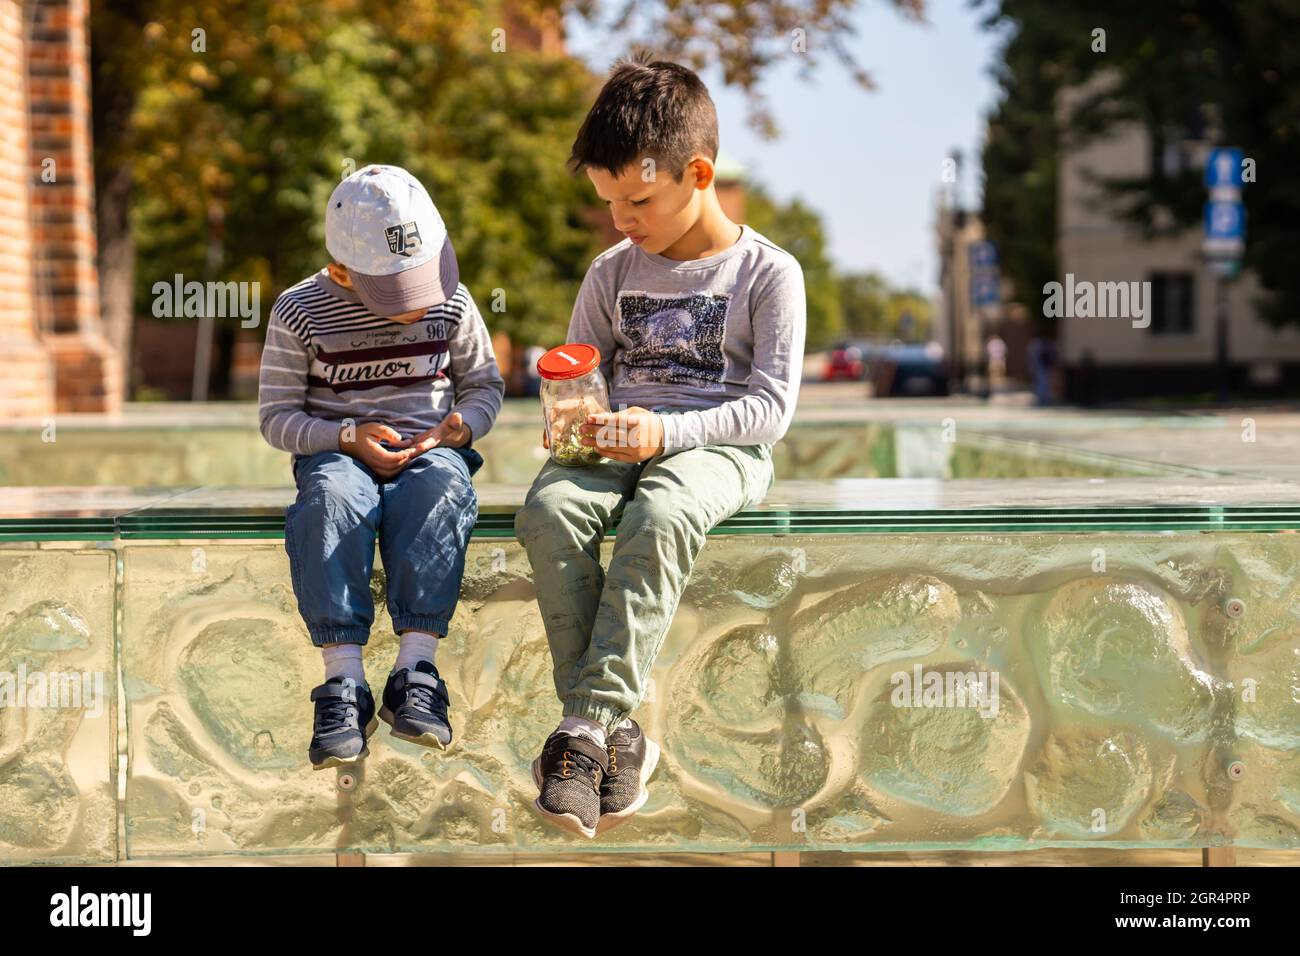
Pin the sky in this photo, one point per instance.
(868, 161)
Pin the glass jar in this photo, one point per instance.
(572, 388)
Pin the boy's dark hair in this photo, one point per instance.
(660, 110)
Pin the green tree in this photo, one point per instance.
(863, 297)
(222, 125)
(798, 230)
(874, 309)
(1020, 156)
(909, 315)
(1231, 70)
(745, 38)
(237, 146)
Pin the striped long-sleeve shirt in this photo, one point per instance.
(328, 360)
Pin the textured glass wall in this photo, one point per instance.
(1138, 690)
(237, 456)
(58, 758)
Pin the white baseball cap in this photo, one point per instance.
(383, 226)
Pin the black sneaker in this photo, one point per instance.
(632, 759)
(345, 717)
(568, 774)
(415, 705)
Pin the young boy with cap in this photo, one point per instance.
(700, 326)
(378, 375)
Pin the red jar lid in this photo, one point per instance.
(569, 361)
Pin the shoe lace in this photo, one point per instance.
(612, 743)
(426, 699)
(575, 758)
(334, 714)
(613, 758)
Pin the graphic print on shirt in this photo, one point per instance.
(674, 338)
(349, 361)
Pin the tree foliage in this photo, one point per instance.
(247, 140)
(874, 309)
(745, 38)
(798, 230)
(1231, 70)
(221, 126)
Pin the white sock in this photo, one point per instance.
(416, 646)
(343, 660)
(626, 723)
(573, 724)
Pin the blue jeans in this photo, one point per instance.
(422, 517)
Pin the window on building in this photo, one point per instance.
(1170, 156)
(1171, 303)
(1171, 153)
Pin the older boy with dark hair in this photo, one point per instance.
(700, 324)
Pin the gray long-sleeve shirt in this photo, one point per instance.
(723, 336)
(329, 359)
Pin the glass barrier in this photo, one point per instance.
(1003, 665)
(960, 691)
(222, 446)
(58, 693)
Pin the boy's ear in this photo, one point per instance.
(702, 169)
(339, 273)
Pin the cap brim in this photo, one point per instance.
(423, 287)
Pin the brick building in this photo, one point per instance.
(58, 359)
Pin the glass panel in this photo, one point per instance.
(1140, 677)
(1137, 690)
(58, 741)
(843, 506)
(901, 438)
(70, 514)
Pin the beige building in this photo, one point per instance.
(1114, 356)
(962, 327)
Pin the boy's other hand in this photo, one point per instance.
(366, 448)
(632, 435)
(451, 432)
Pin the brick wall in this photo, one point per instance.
(89, 373)
(28, 368)
(58, 100)
(56, 356)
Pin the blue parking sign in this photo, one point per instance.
(985, 289)
(983, 255)
(1223, 168)
(1225, 219)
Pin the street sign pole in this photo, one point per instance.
(985, 296)
(1221, 343)
(1223, 244)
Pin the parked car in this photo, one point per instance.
(848, 360)
(899, 370)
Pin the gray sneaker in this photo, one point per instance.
(568, 774)
(344, 718)
(632, 759)
(415, 703)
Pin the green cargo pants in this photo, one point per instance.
(605, 630)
